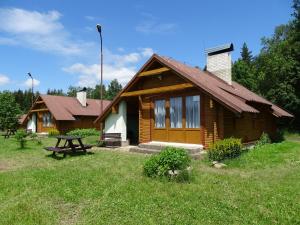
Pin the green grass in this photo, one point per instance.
(107, 187)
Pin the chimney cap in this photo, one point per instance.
(83, 89)
(219, 49)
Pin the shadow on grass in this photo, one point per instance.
(60, 156)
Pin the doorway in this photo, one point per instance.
(133, 120)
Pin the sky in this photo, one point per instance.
(57, 41)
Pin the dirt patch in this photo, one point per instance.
(4, 166)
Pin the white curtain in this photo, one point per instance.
(47, 120)
(193, 111)
(176, 112)
(160, 114)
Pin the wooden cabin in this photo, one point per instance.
(169, 101)
(63, 113)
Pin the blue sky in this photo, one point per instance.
(57, 40)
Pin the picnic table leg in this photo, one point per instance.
(58, 142)
(81, 145)
(72, 146)
(65, 145)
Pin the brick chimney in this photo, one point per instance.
(81, 97)
(219, 61)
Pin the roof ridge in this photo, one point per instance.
(62, 96)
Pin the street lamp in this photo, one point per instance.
(99, 29)
(29, 74)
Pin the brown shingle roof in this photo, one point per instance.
(235, 96)
(65, 108)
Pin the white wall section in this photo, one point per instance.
(116, 123)
(31, 124)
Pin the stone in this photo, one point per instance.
(219, 165)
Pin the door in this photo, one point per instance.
(159, 130)
(176, 119)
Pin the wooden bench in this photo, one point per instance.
(112, 140)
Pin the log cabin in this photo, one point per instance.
(171, 102)
(63, 113)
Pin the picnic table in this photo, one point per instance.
(9, 132)
(68, 145)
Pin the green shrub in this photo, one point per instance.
(53, 132)
(263, 140)
(278, 136)
(84, 132)
(151, 166)
(36, 138)
(20, 136)
(100, 143)
(169, 161)
(224, 149)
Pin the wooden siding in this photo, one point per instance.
(144, 120)
(249, 127)
(81, 122)
(40, 127)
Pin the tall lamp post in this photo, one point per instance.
(98, 26)
(32, 97)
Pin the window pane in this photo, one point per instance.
(193, 111)
(160, 114)
(47, 120)
(176, 112)
(44, 120)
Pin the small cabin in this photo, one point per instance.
(172, 102)
(63, 113)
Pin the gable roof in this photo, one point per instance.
(235, 97)
(66, 108)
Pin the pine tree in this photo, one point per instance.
(246, 55)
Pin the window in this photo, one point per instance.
(160, 114)
(47, 120)
(193, 111)
(176, 112)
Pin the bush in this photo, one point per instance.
(224, 149)
(53, 132)
(151, 166)
(263, 140)
(84, 132)
(20, 136)
(278, 136)
(170, 161)
(36, 138)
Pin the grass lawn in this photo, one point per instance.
(260, 187)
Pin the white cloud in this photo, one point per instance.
(90, 18)
(28, 83)
(116, 66)
(4, 79)
(151, 25)
(38, 30)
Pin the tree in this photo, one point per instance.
(243, 70)
(113, 89)
(245, 74)
(96, 92)
(72, 90)
(246, 55)
(59, 92)
(275, 72)
(9, 111)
